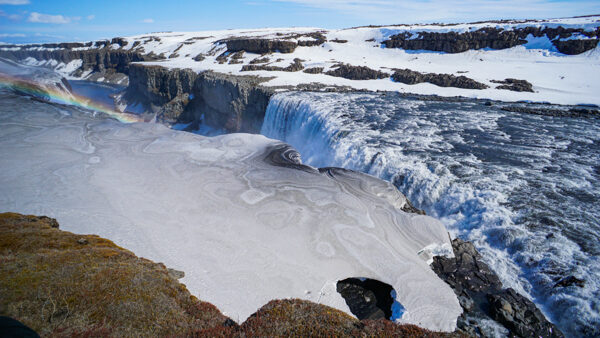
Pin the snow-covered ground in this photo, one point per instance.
(556, 78)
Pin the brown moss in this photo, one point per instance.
(60, 287)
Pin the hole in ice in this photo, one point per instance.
(370, 299)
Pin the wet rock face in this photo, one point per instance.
(482, 296)
(367, 298)
(520, 315)
(260, 46)
(443, 80)
(494, 38)
(357, 72)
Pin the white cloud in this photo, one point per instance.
(148, 21)
(12, 35)
(14, 2)
(414, 11)
(47, 18)
(91, 17)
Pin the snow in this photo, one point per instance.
(243, 230)
(556, 78)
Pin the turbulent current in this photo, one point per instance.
(524, 188)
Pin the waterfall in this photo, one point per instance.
(480, 170)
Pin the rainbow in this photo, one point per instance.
(63, 97)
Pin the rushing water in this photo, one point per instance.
(525, 188)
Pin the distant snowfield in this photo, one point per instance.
(244, 230)
(556, 78)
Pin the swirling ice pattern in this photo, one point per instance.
(524, 188)
(234, 212)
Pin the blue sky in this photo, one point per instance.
(23, 21)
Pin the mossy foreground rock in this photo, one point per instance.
(62, 284)
(57, 284)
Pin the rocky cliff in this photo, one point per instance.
(105, 62)
(569, 41)
(233, 103)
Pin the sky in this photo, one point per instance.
(32, 21)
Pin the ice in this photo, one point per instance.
(244, 224)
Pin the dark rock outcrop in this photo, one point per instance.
(411, 77)
(514, 85)
(314, 70)
(96, 60)
(260, 46)
(481, 295)
(296, 66)
(233, 103)
(367, 298)
(494, 38)
(574, 47)
(546, 111)
(356, 72)
(318, 39)
(570, 281)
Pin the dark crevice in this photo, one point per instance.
(367, 298)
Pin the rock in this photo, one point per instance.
(294, 67)
(339, 41)
(494, 38)
(259, 61)
(199, 57)
(234, 103)
(367, 298)
(411, 77)
(520, 315)
(100, 61)
(260, 46)
(542, 110)
(318, 39)
(82, 241)
(356, 72)
(176, 274)
(514, 85)
(574, 47)
(50, 221)
(482, 296)
(570, 281)
(314, 70)
(488, 103)
(13, 328)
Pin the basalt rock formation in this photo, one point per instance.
(515, 85)
(482, 295)
(233, 103)
(356, 72)
(566, 40)
(443, 80)
(260, 46)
